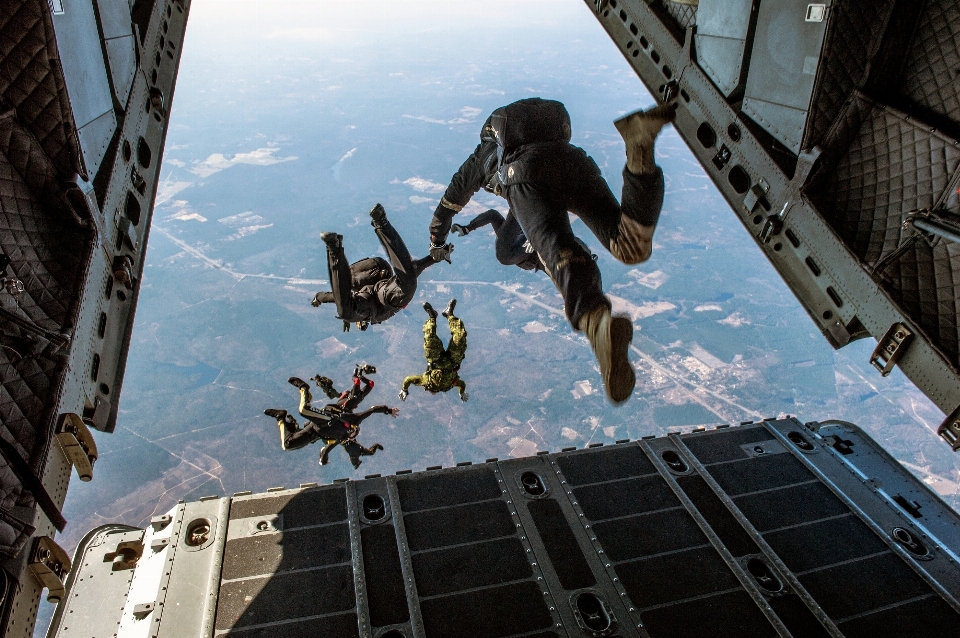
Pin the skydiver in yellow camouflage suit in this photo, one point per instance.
(443, 364)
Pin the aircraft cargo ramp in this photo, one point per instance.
(768, 529)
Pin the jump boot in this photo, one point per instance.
(639, 131)
(283, 423)
(333, 240)
(304, 388)
(448, 312)
(430, 311)
(326, 384)
(378, 216)
(610, 338)
(325, 452)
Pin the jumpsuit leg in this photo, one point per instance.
(541, 209)
(296, 439)
(357, 393)
(419, 265)
(491, 217)
(306, 410)
(458, 340)
(400, 259)
(355, 451)
(589, 197)
(340, 281)
(432, 346)
(510, 240)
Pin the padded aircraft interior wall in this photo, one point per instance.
(832, 129)
(85, 88)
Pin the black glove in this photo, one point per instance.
(441, 253)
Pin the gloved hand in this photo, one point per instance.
(403, 395)
(441, 252)
(315, 302)
(528, 247)
(394, 412)
(464, 396)
(363, 325)
(460, 231)
(346, 326)
(366, 368)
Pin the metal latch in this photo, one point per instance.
(138, 182)
(774, 223)
(891, 348)
(50, 565)
(950, 429)
(78, 444)
(669, 91)
(98, 415)
(752, 199)
(159, 522)
(158, 544)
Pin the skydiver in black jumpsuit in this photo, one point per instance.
(371, 291)
(525, 155)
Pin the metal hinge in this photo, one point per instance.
(50, 565)
(950, 429)
(78, 444)
(890, 348)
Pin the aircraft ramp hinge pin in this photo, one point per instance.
(950, 429)
(891, 347)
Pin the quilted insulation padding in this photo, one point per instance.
(891, 167)
(684, 14)
(27, 157)
(931, 71)
(925, 282)
(49, 255)
(880, 166)
(31, 81)
(853, 37)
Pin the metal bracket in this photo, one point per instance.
(890, 348)
(143, 609)
(99, 414)
(950, 429)
(126, 556)
(50, 565)
(78, 444)
(758, 191)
